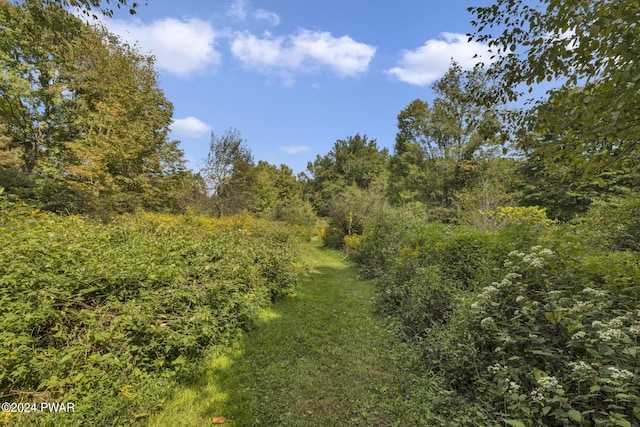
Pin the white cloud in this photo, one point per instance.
(295, 149)
(181, 47)
(303, 51)
(264, 15)
(190, 127)
(431, 61)
(238, 10)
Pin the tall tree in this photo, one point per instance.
(274, 188)
(408, 164)
(591, 45)
(82, 109)
(436, 146)
(34, 101)
(122, 116)
(355, 161)
(228, 163)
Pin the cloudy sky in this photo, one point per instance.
(294, 76)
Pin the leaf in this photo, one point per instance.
(621, 422)
(538, 373)
(575, 415)
(514, 423)
(553, 316)
(219, 420)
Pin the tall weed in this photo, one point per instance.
(109, 316)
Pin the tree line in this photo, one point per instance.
(84, 127)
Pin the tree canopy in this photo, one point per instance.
(91, 6)
(589, 48)
(354, 161)
(437, 145)
(81, 109)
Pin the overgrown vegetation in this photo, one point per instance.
(504, 242)
(534, 323)
(110, 316)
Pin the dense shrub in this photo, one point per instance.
(552, 350)
(109, 316)
(531, 322)
(614, 225)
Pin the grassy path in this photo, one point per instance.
(319, 358)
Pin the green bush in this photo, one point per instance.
(110, 316)
(614, 225)
(535, 324)
(551, 350)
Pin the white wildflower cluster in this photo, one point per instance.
(580, 307)
(487, 322)
(581, 367)
(535, 259)
(537, 396)
(619, 374)
(611, 334)
(512, 276)
(635, 329)
(611, 330)
(617, 322)
(497, 368)
(511, 386)
(549, 383)
(503, 284)
(579, 335)
(488, 292)
(520, 298)
(595, 292)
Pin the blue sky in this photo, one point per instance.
(295, 76)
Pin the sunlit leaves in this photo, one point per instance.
(435, 142)
(592, 44)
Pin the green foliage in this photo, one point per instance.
(437, 147)
(110, 316)
(553, 348)
(81, 115)
(589, 44)
(534, 323)
(356, 162)
(614, 225)
(347, 214)
(89, 6)
(33, 106)
(229, 163)
(490, 189)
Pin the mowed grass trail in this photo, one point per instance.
(322, 357)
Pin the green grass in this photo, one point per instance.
(322, 357)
